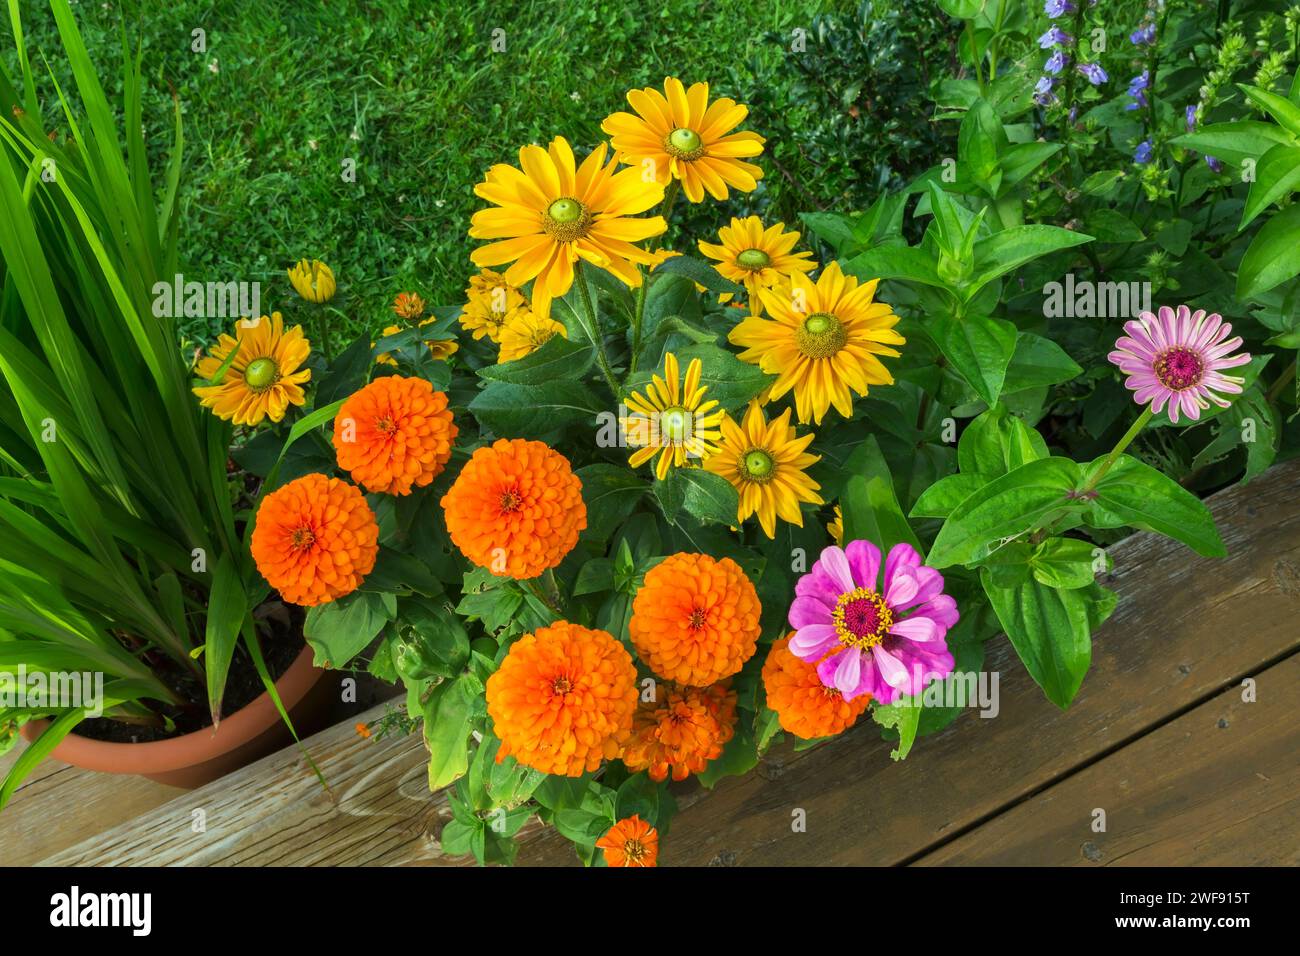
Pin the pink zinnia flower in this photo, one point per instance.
(868, 639)
(1177, 357)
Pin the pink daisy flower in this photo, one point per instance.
(886, 641)
(1177, 358)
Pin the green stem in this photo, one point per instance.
(974, 54)
(322, 335)
(1276, 388)
(537, 591)
(1137, 426)
(592, 327)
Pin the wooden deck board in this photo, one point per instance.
(1186, 630)
(1218, 785)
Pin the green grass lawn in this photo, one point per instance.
(286, 93)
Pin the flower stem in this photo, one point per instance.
(592, 327)
(1124, 442)
(537, 591)
(322, 335)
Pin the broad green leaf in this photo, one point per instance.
(1009, 249)
(869, 503)
(1050, 631)
(1111, 225)
(1237, 141)
(610, 493)
(1273, 255)
(708, 497)
(1006, 507)
(447, 724)
(1037, 362)
(1280, 108)
(998, 442)
(943, 497)
(1064, 563)
(342, 629)
(530, 411)
(907, 263)
(1133, 493)
(559, 358)
(978, 348)
(904, 716)
(1276, 177)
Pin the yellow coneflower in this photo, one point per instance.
(679, 134)
(755, 257)
(491, 303)
(821, 341)
(672, 419)
(835, 527)
(525, 334)
(440, 349)
(263, 379)
(766, 462)
(551, 212)
(313, 280)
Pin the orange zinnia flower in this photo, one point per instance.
(695, 620)
(516, 508)
(681, 733)
(315, 539)
(630, 842)
(394, 435)
(562, 700)
(408, 305)
(805, 706)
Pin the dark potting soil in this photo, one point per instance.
(281, 640)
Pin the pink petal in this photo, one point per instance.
(917, 628)
(836, 564)
(891, 668)
(813, 641)
(805, 611)
(864, 562)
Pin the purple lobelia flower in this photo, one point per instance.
(1058, 8)
(1142, 155)
(1144, 35)
(867, 637)
(1214, 164)
(1056, 62)
(1043, 94)
(1093, 73)
(1190, 117)
(1054, 37)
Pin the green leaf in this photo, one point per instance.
(529, 411)
(908, 263)
(610, 493)
(1005, 507)
(1064, 563)
(1133, 493)
(979, 140)
(558, 358)
(943, 497)
(1235, 142)
(1021, 159)
(447, 723)
(1111, 225)
(978, 348)
(1050, 631)
(904, 715)
(227, 613)
(1011, 248)
(1280, 108)
(1276, 177)
(708, 497)
(1273, 255)
(998, 442)
(697, 270)
(342, 629)
(869, 503)
(1037, 362)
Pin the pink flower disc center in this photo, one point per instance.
(1179, 368)
(861, 618)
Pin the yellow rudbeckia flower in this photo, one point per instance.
(313, 280)
(263, 379)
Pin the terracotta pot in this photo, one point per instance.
(200, 757)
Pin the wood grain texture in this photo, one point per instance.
(1186, 629)
(1218, 785)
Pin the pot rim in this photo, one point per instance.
(196, 747)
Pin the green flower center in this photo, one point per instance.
(684, 144)
(821, 335)
(261, 374)
(754, 259)
(757, 465)
(675, 424)
(566, 219)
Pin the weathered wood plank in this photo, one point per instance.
(1186, 629)
(1218, 785)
